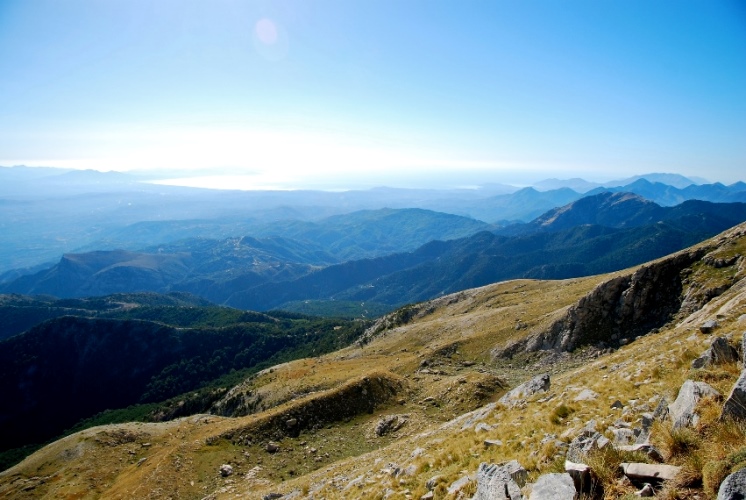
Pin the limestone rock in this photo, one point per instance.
(582, 476)
(735, 405)
(584, 443)
(708, 326)
(650, 472)
(554, 487)
(646, 491)
(734, 486)
(682, 410)
(458, 484)
(537, 384)
(498, 481)
(390, 423)
(226, 470)
(623, 436)
(646, 448)
(719, 352)
(586, 395)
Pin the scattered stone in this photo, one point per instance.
(646, 491)
(554, 487)
(537, 384)
(417, 452)
(682, 410)
(734, 486)
(291, 422)
(272, 447)
(226, 470)
(390, 423)
(617, 405)
(708, 326)
(743, 347)
(586, 395)
(481, 426)
(584, 443)
(492, 442)
(500, 481)
(428, 496)
(735, 405)
(272, 496)
(719, 352)
(647, 473)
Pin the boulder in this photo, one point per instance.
(500, 481)
(682, 410)
(554, 487)
(272, 447)
(719, 352)
(585, 443)
(708, 326)
(649, 473)
(540, 383)
(226, 470)
(623, 436)
(735, 405)
(582, 476)
(734, 486)
(390, 423)
(586, 395)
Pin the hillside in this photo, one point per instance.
(392, 416)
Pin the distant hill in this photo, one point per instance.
(599, 233)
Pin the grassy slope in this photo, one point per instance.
(182, 457)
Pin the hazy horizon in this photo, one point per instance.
(343, 95)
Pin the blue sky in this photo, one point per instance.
(336, 93)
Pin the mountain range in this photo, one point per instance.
(598, 233)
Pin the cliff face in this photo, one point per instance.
(627, 306)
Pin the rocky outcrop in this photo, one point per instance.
(647, 473)
(585, 443)
(622, 308)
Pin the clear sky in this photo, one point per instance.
(376, 91)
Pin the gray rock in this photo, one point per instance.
(735, 405)
(617, 405)
(743, 349)
(582, 476)
(492, 442)
(623, 436)
(226, 470)
(272, 496)
(432, 482)
(719, 352)
(650, 472)
(646, 491)
(481, 426)
(682, 410)
(585, 443)
(500, 481)
(554, 487)
(458, 484)
(390, 423)
(646, 448)
(540, 383)
(586, 395)
(734, 486)
(708, 326)
(272, 447)
(428, 496)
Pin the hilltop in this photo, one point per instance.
(413, 406)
